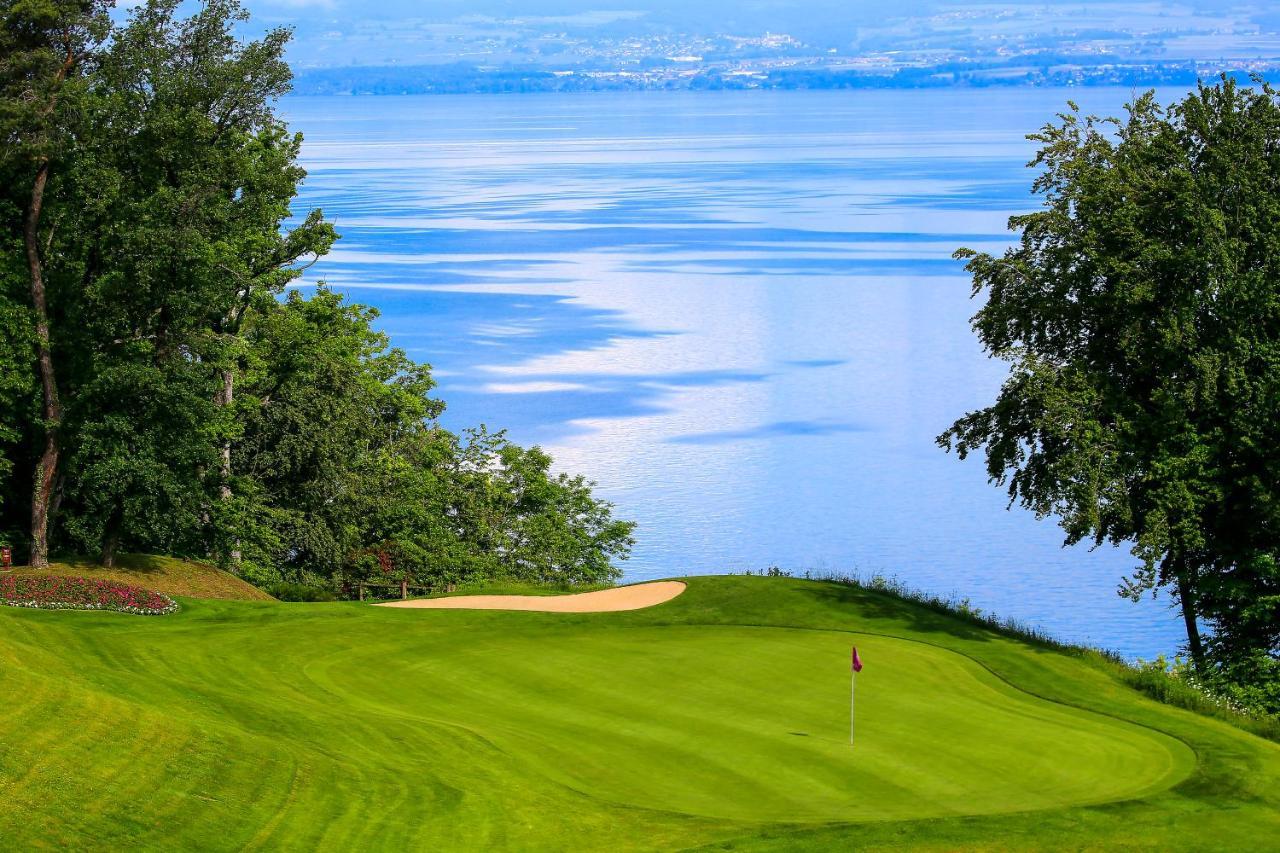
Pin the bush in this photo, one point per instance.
(260, 575)
(50, 592)
(286, 591)
(1176, 683)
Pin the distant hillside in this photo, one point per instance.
(457, 78)
(169, 575)
(571, 45)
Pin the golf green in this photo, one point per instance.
(749, 723)
(723, 714)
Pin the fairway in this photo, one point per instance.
(342, 726)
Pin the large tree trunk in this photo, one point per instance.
(47, 469)
(226, 397)
(1187, 600)
(59, 490)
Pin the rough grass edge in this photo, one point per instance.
(1169, 685)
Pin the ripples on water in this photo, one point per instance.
(736, 311)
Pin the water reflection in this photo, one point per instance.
(737, 311)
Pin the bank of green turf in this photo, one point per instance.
(717, 720)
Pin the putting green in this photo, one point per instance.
(753, 723)
(721, 716)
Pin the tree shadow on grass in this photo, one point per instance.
(893, 610)
(142, 564)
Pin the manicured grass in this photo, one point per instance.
(719, 719)
(162, 574)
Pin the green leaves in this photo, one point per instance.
(355, 479)
(1141, 316)
(45, 45)
(204, 411)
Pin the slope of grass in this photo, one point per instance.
(169, 575)
(719, 719)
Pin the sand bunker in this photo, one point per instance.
(601, 601)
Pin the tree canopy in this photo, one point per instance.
(162, 389)
(1140, 315)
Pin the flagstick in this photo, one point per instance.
(853, 684)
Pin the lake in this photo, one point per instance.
(737, 312)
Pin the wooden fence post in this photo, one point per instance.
(362, 590)
(404, 590)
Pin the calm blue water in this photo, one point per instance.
(736, 311)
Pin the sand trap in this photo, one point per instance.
(602, 601)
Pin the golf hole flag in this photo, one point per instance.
(855, 667)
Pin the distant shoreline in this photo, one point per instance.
(455, 79)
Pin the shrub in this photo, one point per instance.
(51, 592)
(1177, 683)
(286, 591)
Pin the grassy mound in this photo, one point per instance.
(168, 575)
(717, 719)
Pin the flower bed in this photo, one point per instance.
(51, 592)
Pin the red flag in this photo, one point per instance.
(857, 661)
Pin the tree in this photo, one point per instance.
(535, 526)
(1140, 314)
(194, 411)
(171, 193)
(45, 49)
(207, 173)
(324, 395)
(345, 473)
(141, 451)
